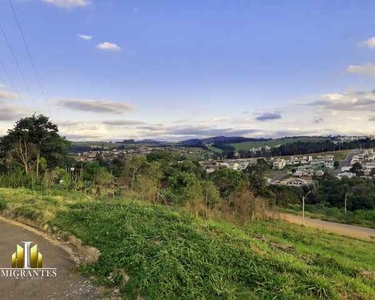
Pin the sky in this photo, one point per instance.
(174, 70)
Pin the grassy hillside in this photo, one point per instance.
(275, 142)
(173, 255)
(214, 149)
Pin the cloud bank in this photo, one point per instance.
(69, 3)
(370, 43)
(96, 106)
(268, 117)
(85, 37)
(123, 123)
(365, 69)
(108, 46)
(8, 95)
(349, 101)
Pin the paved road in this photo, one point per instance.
(345, 162)
(341, 229)
(67, 284)
(278, 176)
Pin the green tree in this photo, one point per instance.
(228, 181)
(211, 194)
(33, 138)
(357, 169)
(184, 187)
(256, 178)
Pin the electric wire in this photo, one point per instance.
(29, 54)
(12, 84)
(18, 65)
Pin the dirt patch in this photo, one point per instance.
(368, 274)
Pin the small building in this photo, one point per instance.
(298, 182)
(279, 164)
(345, 175)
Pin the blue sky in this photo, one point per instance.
(175, 70)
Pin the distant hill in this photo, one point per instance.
(247, 145)
(215, 144)
(231, 139)
(151, 142)
(219, 140)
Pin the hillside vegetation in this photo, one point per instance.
(273, 143)
(170, 254)
(167, 229)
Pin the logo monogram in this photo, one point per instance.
(27, 262)
(27, 257)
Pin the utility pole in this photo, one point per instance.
(303, 208)
(346, 198)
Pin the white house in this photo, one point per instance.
(279, 164)
(346, 175)
(298, 182)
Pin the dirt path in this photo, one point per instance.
(67, 285)
(341, 229)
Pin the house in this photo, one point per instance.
(329, 164)
(298, 182)
(346, 169)
(328, 157)
(368, 166)
(346, 175)
(300, 173)
(319, 173)
(236, 166)
(279, 164)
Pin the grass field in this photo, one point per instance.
(214, 149)
(172, 255)
(338, 155)
(365, 218)
(275, 142)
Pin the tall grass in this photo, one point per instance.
(159, 253)
(360, 217)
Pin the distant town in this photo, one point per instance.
(346, 156)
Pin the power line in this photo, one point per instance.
(18, 65)
(2, 79)
(11, 82)
(28, 53)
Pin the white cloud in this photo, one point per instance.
(85, 37)
(370, 43)
(97, 106)
(365, 69)
(268, 116)
(108, 46)
(10, 113)
(123, 122)
(8, 95)
(349, 101)
(69, 3)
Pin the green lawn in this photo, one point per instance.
(214, 149)
(272, 143)
(338, 155)
(365, 218)
(173, 255)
